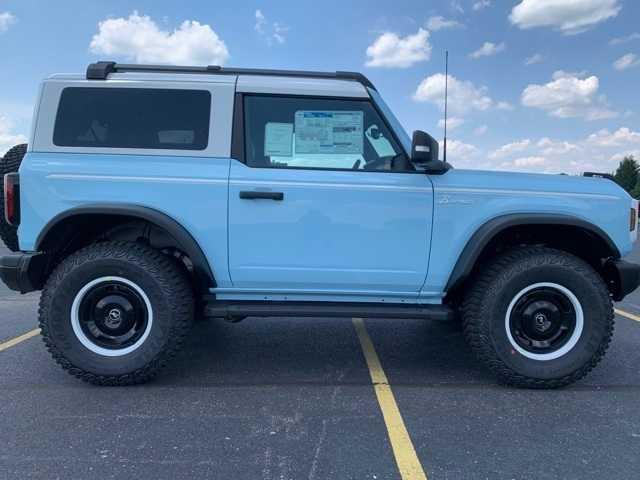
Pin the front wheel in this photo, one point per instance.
(114, 313)
(538, 317)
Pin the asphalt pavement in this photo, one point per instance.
(294, 399)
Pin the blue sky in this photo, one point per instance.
(574, 107)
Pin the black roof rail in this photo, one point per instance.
(608, 176)
(101, 70)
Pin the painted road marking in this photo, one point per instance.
(628, 315)
(403, 450)
(17, 340)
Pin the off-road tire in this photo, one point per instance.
(8, 164)
(163, 281)
(485, 307)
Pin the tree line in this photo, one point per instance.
(628, 176)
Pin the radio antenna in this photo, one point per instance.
(446, 99)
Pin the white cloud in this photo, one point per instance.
(618, 157)
(440, 23)
(6, 20)
(481, 130)
(455, 6)
(627, 39)
(452, 123)
(464, 96)
(481, 4)
(629, 60)
(551, 147)
(273, 33)
(620, 138)
(533, 59)
(261, 21)
(510, 149)
(488, 49)
(600, 151)
(504, 106)
(566, 16)
(392, 51)
(459, 152)
(279, 31)
(140, 39)
(9, 138)
(568, 96)
(529, 161)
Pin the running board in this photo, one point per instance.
(239, 309)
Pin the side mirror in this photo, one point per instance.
(424, 153)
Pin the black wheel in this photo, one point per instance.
(538, 317)
(10, 163)
(114, 313)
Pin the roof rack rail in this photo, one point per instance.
(608, 176)
(101, 70)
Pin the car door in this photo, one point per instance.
(324, 202)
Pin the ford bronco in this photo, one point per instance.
(148, 196)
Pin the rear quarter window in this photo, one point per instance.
(141, 118)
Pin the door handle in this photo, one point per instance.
(253, 195)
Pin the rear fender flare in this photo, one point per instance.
(192, 249)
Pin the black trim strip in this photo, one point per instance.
(237, 129)
(234, 309)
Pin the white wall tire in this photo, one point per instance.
(557, 357)
(133, 346)
(88, 342)
(571, 341)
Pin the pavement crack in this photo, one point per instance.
(316, 454)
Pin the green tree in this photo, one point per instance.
(627, 174)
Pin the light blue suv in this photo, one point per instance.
(149, 195)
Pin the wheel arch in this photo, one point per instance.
(539, 228)
(49, 234)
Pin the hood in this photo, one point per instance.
(531, 182)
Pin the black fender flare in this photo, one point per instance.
(486, 232)
(192, 249)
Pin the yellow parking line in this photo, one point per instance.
(628, 315)
(403, 450)
(17, 340)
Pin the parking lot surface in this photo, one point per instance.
(295, 399)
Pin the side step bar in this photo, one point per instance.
(238, 309)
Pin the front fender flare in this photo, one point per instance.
(483, 235)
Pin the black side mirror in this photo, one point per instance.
(424, 153)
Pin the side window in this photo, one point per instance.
(299, 132)
(133, 118)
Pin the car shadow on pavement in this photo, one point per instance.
(321, 351)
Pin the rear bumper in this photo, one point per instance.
(22, 272)
(623, 278)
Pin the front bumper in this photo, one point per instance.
(623, 278)
(23, 272)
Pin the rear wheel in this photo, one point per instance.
(114, 313)
(538, 318)
(8, 164)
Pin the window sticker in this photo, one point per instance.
(329, 132)
(278, 139)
